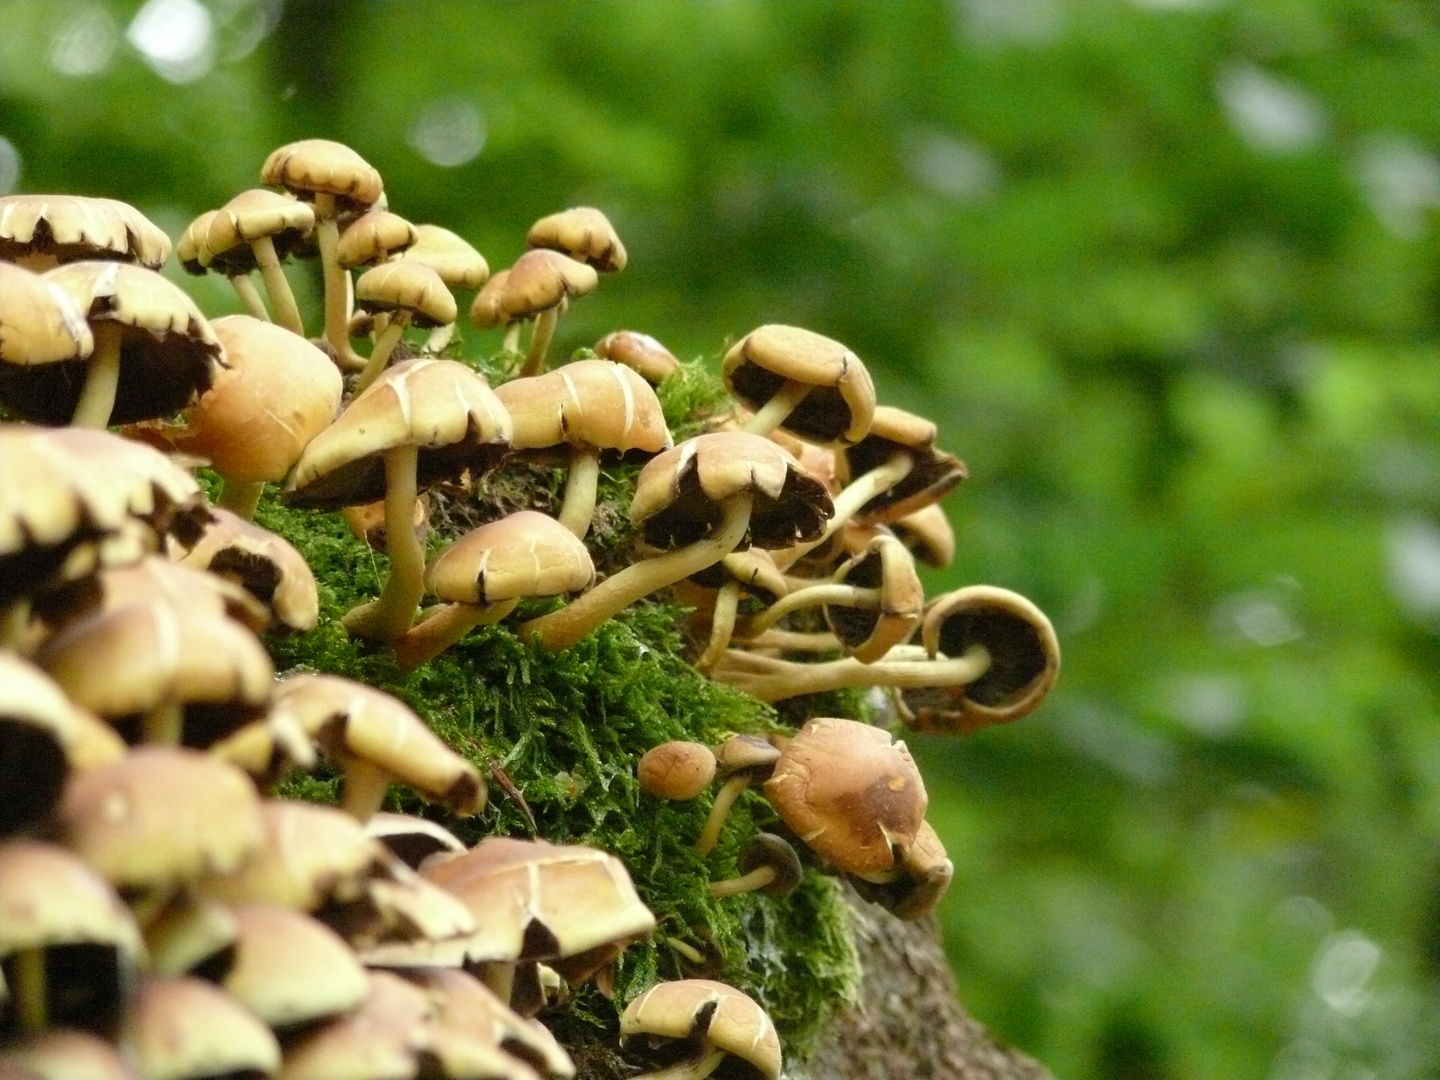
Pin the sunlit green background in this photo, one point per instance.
(1164, 272)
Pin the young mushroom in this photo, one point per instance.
(694, 1026)
(457, 262)
(583, 233)
(639, 352)
(695, 504)
(812, 386)
(410, 293)
(740, 761)
(676, 770)
(540, 285)
(768, 865)
(258, 228)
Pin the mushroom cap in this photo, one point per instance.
(541, 279)
(639, 352)
(773, 851)
(710, 1012)
(129, 660)
(842, 399)
(168, 353)
(66, 1054)
(572, 906)
(160, 816)
(927, 532)
(850, 792)
(487, 311)
(309, 853)
(451, 256)
(677, 494)
(288, 968)
(748, 754)
(249, 216)
(869, 633)
(277, 393)
(926, 872)
(264, 564)
(367, 521)
(382, 1039)
(39, 323)
(68, 228)
(350, 719)
(525, 554)
(191, 245)
(186, 1029)
(48, 897)
(933, 476)
(440, 406)
(67, 490)
(584, 234)
(411, 839)
(372, 238)
(753, 568)
(313, 166)
(594, 403)
(1024, 660)
(676, 770)
(408, 286)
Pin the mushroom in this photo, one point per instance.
(583, 233)
(372, 238)
(459, 265)
(538, 286)
(641, 353)
(65, 1054)
(375, 738)
(189, 250)
(925, 875)
(852, 793)
(484, 574)
(186, 1029)
(154, 351)
(420, 422)
(412, 839)
(768, 865)
(39, 325)
(706, 495)
(42, 231)
(752, 571)
(268, 227)
(740, 760)
(810, 385)
(927, 532)
(696, 1025)
(410, 292)
(676, 770)
(590, 407)
(333, 178)
(265, 565)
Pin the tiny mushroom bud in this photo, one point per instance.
(769, 865)
(639, 352)
(676, 770)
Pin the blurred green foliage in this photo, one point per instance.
(1165, 274)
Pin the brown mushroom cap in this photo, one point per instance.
(584, 234)
(408, 286)
(927, 532)
(592, 403)
(186, 1029)
(313, 166)
(851, 793)
(373, 237)
(487, 310)
(542, 279)
(525, 554)
(1024, 660)
(709, 1014)
(676, 770)
(934, 474)
(451, 256)
(769, 865)
(43, 230)
(841, 401)
(262, 563)
(639, 352)
(926, 872)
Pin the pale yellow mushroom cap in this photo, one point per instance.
(841, 401)
(525, 554)
(48, 229)
(451, 256)
(321, 165)
(583, 233)
(410, 287)
(591, 403)
(709, 1014)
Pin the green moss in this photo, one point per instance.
(565, 730)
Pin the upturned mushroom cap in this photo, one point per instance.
(676, 770)
(1024, 660)
(39, 323)
(928, 533)
(851, 793)
(841, 402)
(168, 352)
(407, 286)
(161, 815)
(68, 490)
(525, 554)
(372, 238)
(451, 256)
(709, 1014)
(678, 492)
(277, 393)
(313, 166)
(584, 234)
(44, 230)
(263, 564)
(869, 633)
(287, 968)
(351, 720)
(186, 1029)
(934, 475)
(225, 241)
(128, 661)
(591, 403)
(440, 406)
(541, 279)
(66, 1054)
(48, 897)
(639, 352)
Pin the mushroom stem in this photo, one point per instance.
(389, 616)
(685, 949)
(540, 341)
(14, 622)
(722, 625)
(365, 786)
(580, 484)
(281, 298)
(249, 296)
(755, 879)
(720, 810)
(773, 413)
(511, 341)
(848, 503)
(793, 641)
(384, 346)
(563, 628)
(693, 1069)
(429, 638)
(337, 287)
(164, 724)
(241, 499)
(831, 593)
(31, 990)
(438, 339)
(774, 680)
(102, 377)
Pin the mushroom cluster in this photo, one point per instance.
(162, 912)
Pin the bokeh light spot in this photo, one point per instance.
(176, 38)
(85, 44)
(448, 132)
(1271, 116)
(9, 166)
